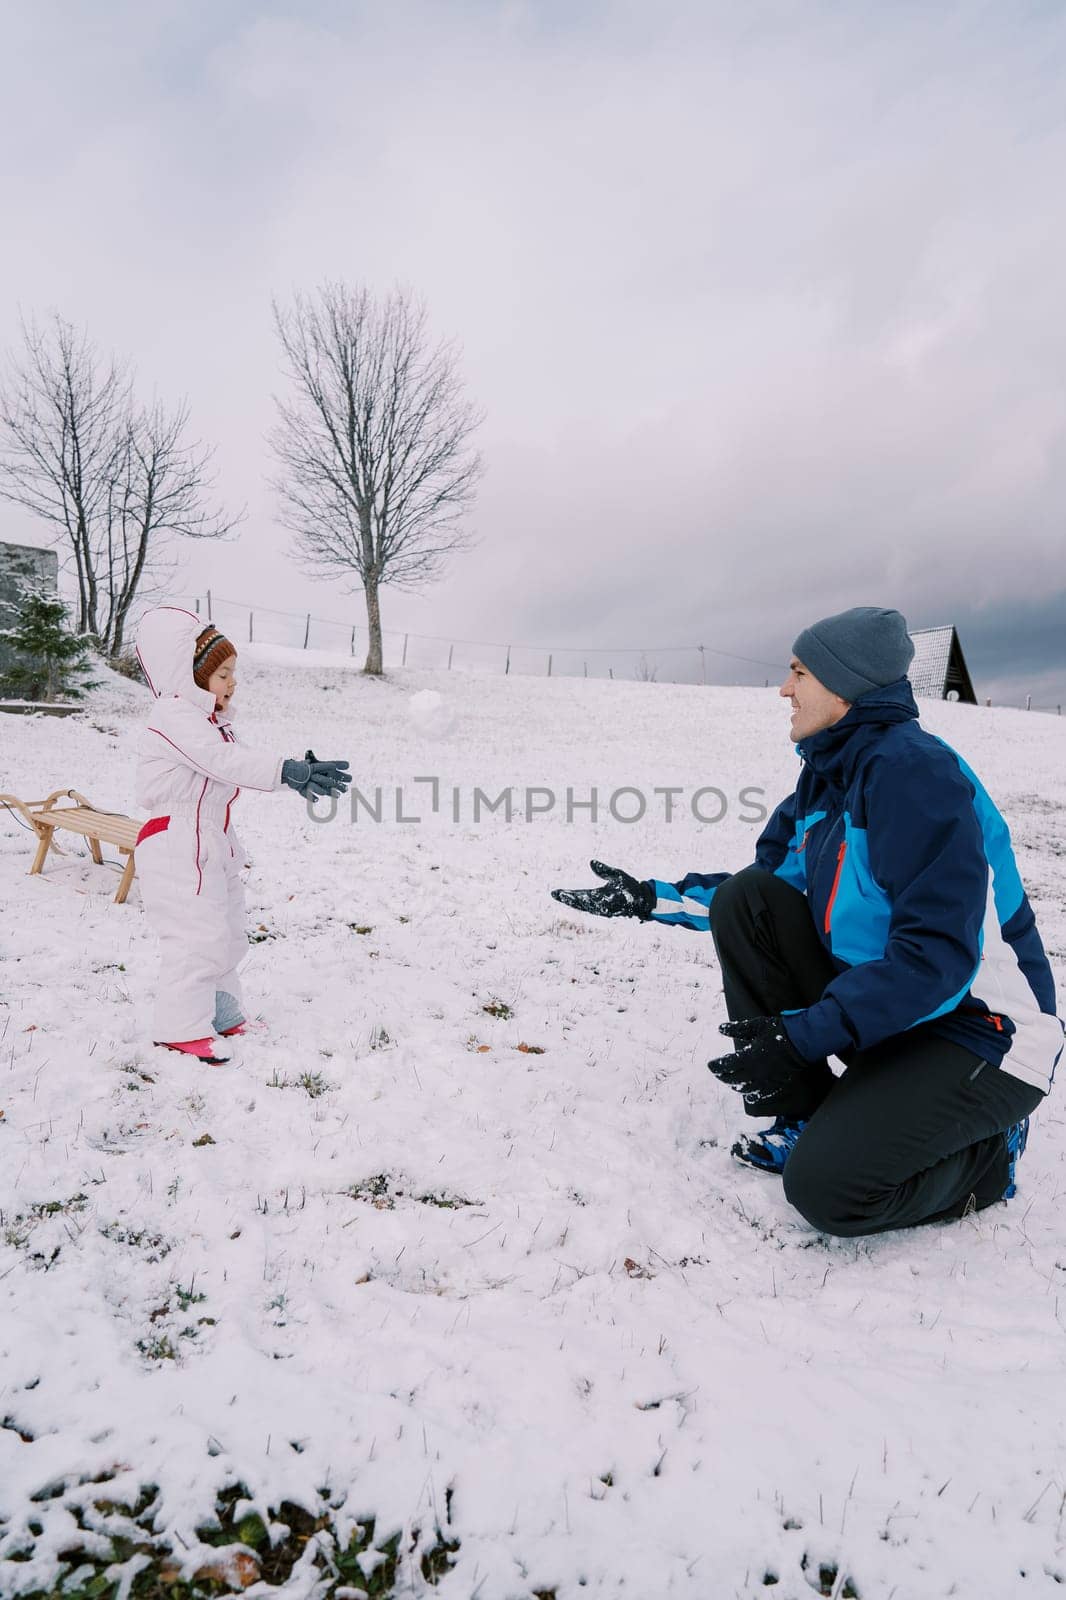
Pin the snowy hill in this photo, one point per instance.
(456, 1246)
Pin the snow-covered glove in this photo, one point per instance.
(620, 896)
(314, 779)
(766, 1068)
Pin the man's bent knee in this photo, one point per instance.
(819, 1197)
(734, 893)
(740, 883)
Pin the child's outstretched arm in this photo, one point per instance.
(181, 733)
(178, 732)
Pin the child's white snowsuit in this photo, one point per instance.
(189, 773)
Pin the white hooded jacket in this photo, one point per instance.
(190, 763)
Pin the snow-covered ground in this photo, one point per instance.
(491, 1275)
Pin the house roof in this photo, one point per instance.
(939, 666)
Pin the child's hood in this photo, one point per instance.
(166, 643)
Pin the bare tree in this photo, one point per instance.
(376, 469)
(61, 411)
(115, 481)
(160, 491)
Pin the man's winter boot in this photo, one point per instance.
(209, 1050)
(1016, 1137)
(769, 1150)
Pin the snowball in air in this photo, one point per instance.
(431, 714)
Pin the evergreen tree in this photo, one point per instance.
(50, 662)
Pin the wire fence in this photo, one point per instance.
(1026, 705)
(688, 663)
(695, 663)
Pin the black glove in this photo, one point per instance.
(766, 1068)
(621, 895)
(314, 779)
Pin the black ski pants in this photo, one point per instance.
(912, 1131)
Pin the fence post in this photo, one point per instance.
(209, 616)
(451, 648)
(403, 663)
(1028, 702)
(307, 629)
(353, 638)
(610, 673)
(703, 667)
(251, 614)
(507, 664)
(549, 666)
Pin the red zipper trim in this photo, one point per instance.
(836, 886)
(199, 869)
(993, 1017)
(144, 669)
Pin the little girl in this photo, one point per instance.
(190, 772)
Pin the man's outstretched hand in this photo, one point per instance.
(620, 895)
(766, 1068)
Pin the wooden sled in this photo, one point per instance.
(107, 827)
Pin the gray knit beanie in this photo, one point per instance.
(857, 650)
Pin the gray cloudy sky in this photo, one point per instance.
(763, 302)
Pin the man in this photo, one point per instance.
(884, 923)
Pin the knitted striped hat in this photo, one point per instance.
(212, 648)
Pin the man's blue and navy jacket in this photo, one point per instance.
(913, 887)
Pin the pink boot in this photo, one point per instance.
(209, 1051)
